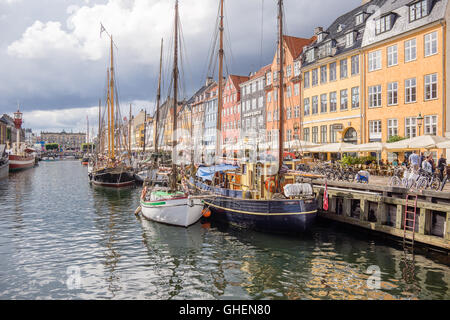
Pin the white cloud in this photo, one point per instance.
(9, 1)
(136, 26)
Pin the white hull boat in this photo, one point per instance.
(173, 209)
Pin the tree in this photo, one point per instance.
(395, 139)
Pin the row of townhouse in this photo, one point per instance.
(378, 71)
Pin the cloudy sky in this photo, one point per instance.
(53, 61)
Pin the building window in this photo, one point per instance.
(392, 56)
(288, 91)
(315, 77)
(333, 101)
(260, 102)
(289, 135)
(359, 18)
(306, 80)
(315, 134)
(344, 99)
(431, 44)
(296, 68)
(410, 90)
(288, 113)
(375, 96)
(392, 93)
(269, 78)
(297, 112)
(323, 74)
(355, 65)
(349, 39)
(375, 130)
(306, 134)
(343, 65)
(333, 134)
(431, 86)
(306, 106)
(315, 105)
(355, 97)
(410, 127)
(392, 126)
(333, 71)
(430, 125)
(410, 50)
(323, 103)
(296, 89)
(374, 60)
(323, 134)
(288, 71)
(383, 24)
(418, 10)
(269, 96)
(275, 95)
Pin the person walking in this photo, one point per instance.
(427, 166)
(442, 166)
(414, 160)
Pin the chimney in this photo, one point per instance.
(318, 30)
(209, 80)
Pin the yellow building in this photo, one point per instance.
(405, 60)
(332, 69)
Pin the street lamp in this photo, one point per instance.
(419, 122)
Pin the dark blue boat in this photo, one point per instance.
(275, 215)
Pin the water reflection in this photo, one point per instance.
(52, 219)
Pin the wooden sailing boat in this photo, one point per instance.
(252, 195)
(111, 170)
(173, 204)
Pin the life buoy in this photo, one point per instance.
(206, 213)
(143, 193)
(271, 187)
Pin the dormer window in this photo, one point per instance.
(310, 55)
(340, 28)
(350, 39)
(321, 36)
(418, 10)
(360, 18)
(384, 23)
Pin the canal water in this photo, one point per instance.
(61, 238)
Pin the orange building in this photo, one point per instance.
(292, 48)
(405, 61)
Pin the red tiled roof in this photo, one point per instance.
(238, 79)
(261, 71)
(295, 45)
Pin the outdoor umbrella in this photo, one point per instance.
(367, 147)
(444, 145)
(332, 147)
(421, 142)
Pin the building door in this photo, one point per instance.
(351, 136)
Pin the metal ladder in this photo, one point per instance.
(407, 219)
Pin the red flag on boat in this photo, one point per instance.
(325, 197)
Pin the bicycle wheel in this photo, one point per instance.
(395, 181)
(435, 184)
(421, 183)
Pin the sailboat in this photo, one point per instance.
(21, 156)
(172, 205)
(254, 195)
(110, 170)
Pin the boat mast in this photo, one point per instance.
(175, 99)
(112, 102)
(99, 126)
(145, 129)
(158, 99)
(280, 87)
(220, 93)
(109, 116)
(129, 134)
